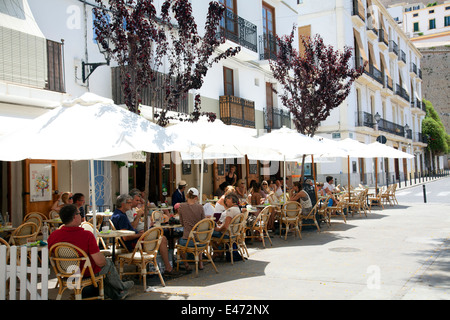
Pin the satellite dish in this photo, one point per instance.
(381, 139)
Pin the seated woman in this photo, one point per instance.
(265, 188)
(220, 208)
(64, 198)
(299, 195)
(241, 189)
(190, 213)
(232, 204)
(256, 197)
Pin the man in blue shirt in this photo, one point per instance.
(120, 220)
(178, 195)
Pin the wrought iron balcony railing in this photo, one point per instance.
(276, 118)
(365, 119)
(267, 47)
(393, 47)
(400, 91)
(239, 30)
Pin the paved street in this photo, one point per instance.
(437, 191)
(402, 252)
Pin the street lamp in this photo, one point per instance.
(377, 118)
(88, 68)
(406, 128)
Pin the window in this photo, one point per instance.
(228, 83)
(416, 26)
(229, 20)
(432, 24)
(415, 15)
(431, 11)
(447, 21)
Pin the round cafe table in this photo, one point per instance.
(114, 234)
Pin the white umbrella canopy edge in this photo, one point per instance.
(212, 140)
(99, 127)
(382, 150)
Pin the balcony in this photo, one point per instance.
(383, 42)
(413, 69)
(358, 15)
(239, 30)
(237, 111)
(372, 33)
(393, 48)
(389, 83)
(276, 118)
(419, 137)
(149, 97)
(267, 47)
(400, 91)
(31, 61)
(402, 58)
(365, 119)
(369, 70)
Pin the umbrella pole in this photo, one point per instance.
(284, 174)
(201, 178)
(376, 177)
(94, 206)
(314, 176)
(348, 177)
(146, 189)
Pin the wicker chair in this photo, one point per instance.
(71, 263)
(290, 216)
(392, 194)
(376, 199)
(259, 227)
(241, 239)
(229, 237)
(89, 227)
(144, 253)
(358, 203)
(337, 210)
(20, 236)
(198, 242)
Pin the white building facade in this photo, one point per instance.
(389, 87)
(52, 39)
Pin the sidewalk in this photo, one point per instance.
(399, 253)
(402, 252)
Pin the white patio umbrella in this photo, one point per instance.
(382, 150)
(288, 145)
(211, 140)
(97, 127)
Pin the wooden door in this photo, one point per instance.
(43, 175)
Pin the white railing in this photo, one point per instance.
(21, 276)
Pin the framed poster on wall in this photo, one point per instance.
(40, 182)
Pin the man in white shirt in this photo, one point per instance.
(135, 213)
(329, 188)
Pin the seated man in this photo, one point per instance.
(137, 211)
(121, 222)
(329, 190)
(72, 232)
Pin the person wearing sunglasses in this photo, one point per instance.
(64, 198)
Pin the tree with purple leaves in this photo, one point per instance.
(314, 81)
(144, 44)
